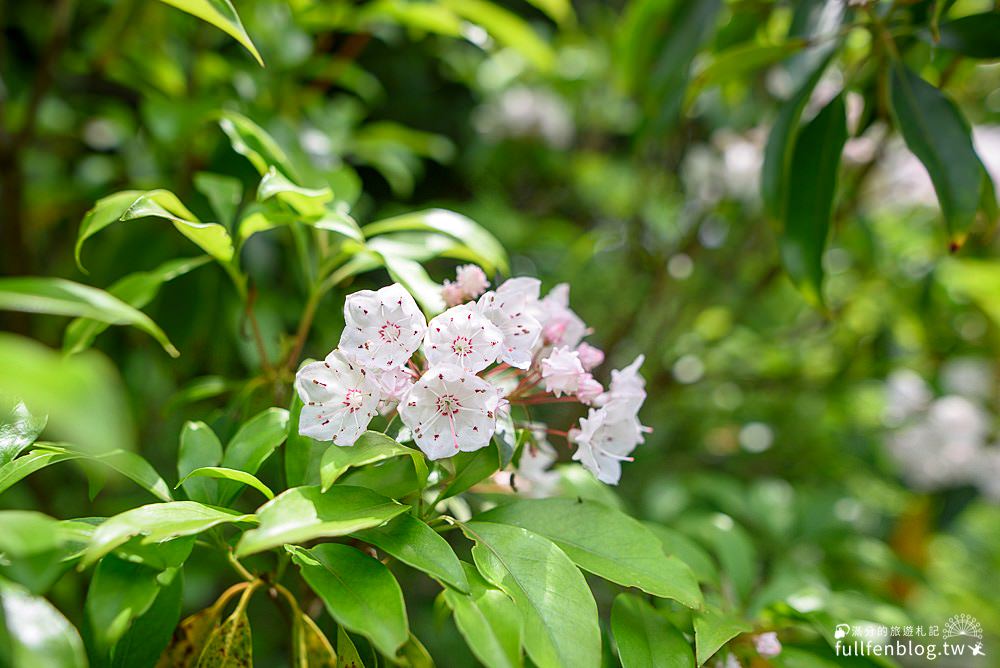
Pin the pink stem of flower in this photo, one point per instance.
(497, 369)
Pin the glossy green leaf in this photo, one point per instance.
(157, 523)
(18, 469)
(223, 16)
(812, 185)
(358, 591)
(55, 296)
(306, 201)
(230, 645)
(303, 455)
(371, 447)
(414, 543)
(472, 468)
(199, 447)
(137, 290)
(937, 133)
(488, 620)
(301, 514)
(119, 592)
(251, 141)
(452, 224)
(713, 629)
(413, 654)
(131, 205)
(150, 633)
(507, 29)
(256, 440)
(605, 542)
(132, 466)
(310, 647)
(222, 473)
(39, 636)
(18, 431)
(224, 193)
(27, 532)
(412, 276)
(559, 612)
(645, 638)
(974, 35)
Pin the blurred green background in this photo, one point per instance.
(604, 145)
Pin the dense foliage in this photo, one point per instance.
(783, 211)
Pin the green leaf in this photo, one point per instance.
(255, 441)
(371, 447)
(14, 471)
(306, 201)
(738, 62)
(199, 447)
(645, 638)
(605, 542)
(224, 194)
(559, 612)
(974, 35)
(449, 223)
(303, 455)
(713, 629)
(780, 144)
(119, 592)
(413, 654)
(230, 645)
(358, 591)
(27, 532)
(812, 185)
(310, 647)
(507, 29)
(18, 431)
(223, 473)
(136, 290)
(472, 468)
(130, 205)
(39, 636)
(55, 296)
(678, 545)
(132, 466)
(937, 133)
(223, 16)
(347, 653)
(151, 633)
(157, 523)
(82, 395)
(488, 620)
(731, 544)
(414, 543)
(251, 141)
(301, 514)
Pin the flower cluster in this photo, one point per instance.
(480, 363)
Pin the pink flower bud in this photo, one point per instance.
(452, 293)
(588, 389)
(590, 356)
(767, 644)
(472, 280)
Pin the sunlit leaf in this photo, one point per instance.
(222, 473)
(222, 15)
(251, 141)
(256, 440)
(18, 431)
(371, 447)
(414, 543)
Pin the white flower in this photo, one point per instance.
(588, 390)
(767, 644)
(560, 325)
(627, 392)
(906, 395)
(462, 336)
(339, 399)
(452, 294)
(602, 444)
(509, 308)
(394, 383)
(382, 329)
(590, 357)
(562, 371)
(449, 410)
(472, 280)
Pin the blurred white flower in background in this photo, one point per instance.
(522, 112)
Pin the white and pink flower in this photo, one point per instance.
(339, 399)
(382, 329)
(509, 308)
(562, 371)
(463, 337)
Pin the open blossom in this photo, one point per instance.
(450, 410)
(602, 444)
(590, 357)
(463, 337)
(509, 309)
(560, 325)
(588, 390)
(472, 280)
(562, 371)
(339, 399)
(382, 329)
(627, 392)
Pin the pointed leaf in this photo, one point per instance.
(199, 447)
(224, 194)
(304, 513)
(347, 653)
(488, 620)
(974, 35)
(559, 612)
(223, 16)
(472, 468)
(230, 645)
(359, 592)
(645, 637)
(18, 431)
(255, 441)
(371, 447)
(416, 544)
(713, 629)
(251, 141)
(188, 641)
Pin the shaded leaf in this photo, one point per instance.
(645, 637)
(250, 447)
(310, 647)
(199, 447)
(119, 592)
(472, 468)
(150, 633)
(414, 543)
(974, 35)
(713, 629)
(230, 645)
(189, 639)
(224, 193)
(358, 591)
(371, 447)
(488, 620)
(301, 514)
(251, 141)
(347, 653)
